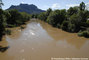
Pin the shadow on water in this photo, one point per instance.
(3, 49)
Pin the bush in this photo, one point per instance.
(84, 33)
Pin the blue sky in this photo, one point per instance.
(45, 4)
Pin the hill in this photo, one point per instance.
(31, 9)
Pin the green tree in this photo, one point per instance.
(64, 25)
(74, 23)
(48, 11)
(42, 16)
(72, 10)
(2, 23)
(82, 6)
(56, 17)
(84, 15)
(17, 18)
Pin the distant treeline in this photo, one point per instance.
(11, 18)
(74, 20)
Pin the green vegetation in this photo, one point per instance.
(8, 31)
(84, 33)
(72, 20)
(2, 23)
(11, 18)
(44, 15)
(17, 18)
(56, 18)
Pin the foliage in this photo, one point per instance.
(56, 17)
(2, 23)
(72, 20)
(42, 16)
(34, 15)
(72, 10)
(82, 6)
(11, 18)
(17, 18)
(64, 25)
(84, 33)
(75, 23)
(84, 15)
(8, 32)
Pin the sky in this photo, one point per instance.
(45, 4)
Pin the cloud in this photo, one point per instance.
(72, 5)
(87, 6)
(25, 3)
(87, 3)
(55, 6)
(22, 2)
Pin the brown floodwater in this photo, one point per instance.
(40, 41)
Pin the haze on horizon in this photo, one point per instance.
(45, 4)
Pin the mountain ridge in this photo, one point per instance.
(30, 9)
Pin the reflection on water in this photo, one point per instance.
(70, 38)
(40, 41)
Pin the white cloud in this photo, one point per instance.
(87, 6)
(55, 6)
(22, 2)
(25, 3)
(72, 5)
(87, 3)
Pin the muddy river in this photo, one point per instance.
(40, 41)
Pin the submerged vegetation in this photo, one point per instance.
(73, 20)
(11, 18)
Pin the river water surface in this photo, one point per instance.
(40, 41)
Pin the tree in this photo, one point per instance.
(2, 23)
(72, 10)
(84, 15)
(74, 23)
(64, 25)
(82, 6)
(48, 11)
(56, 17)
(15, 15)
(42, 16)
(17, 18)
